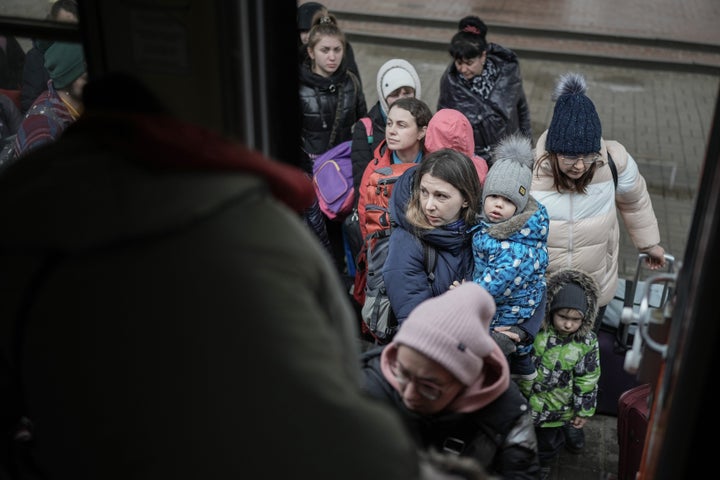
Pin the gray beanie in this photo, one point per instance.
(575, 126)
(511, 173)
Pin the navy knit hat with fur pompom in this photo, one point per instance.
(575, 127)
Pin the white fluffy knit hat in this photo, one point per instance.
(394, 74)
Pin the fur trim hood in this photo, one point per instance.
(503, 230)
(555, 283)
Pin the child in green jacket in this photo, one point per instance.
(566, 356)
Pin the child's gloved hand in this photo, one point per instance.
(507, 345)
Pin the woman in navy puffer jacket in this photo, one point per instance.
(435, 202)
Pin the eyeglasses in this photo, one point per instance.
(570, 160)
(427, 390)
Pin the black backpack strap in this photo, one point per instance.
(429, 260)
(613, 168)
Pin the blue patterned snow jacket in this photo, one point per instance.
(510, 259)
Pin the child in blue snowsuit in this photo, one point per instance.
(510, 252)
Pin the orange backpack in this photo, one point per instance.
(374, 216)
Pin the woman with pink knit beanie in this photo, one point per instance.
(450, 382)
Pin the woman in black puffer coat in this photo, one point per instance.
(331, 101)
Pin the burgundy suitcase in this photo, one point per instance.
(632, 423)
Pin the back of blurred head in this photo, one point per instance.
(121, 92)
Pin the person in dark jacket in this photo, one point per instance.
(10, 120)
(484, 83)
(396, 79)
(563, 394)
(35, 76)
(170, 250)
(305, 14)
(331, 97)
(331, 101)
(450, 382)
(58, 107)
(435, 202)
(12, 59)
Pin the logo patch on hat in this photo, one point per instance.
(522, 190)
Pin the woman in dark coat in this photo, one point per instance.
(450, 382)
(485, 84)
(331, 101)
(435, 202)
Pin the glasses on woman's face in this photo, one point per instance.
(403, 377)
(587, 159)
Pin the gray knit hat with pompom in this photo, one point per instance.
(511, 173)
(575, 126)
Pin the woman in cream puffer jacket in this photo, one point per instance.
(584, 228)
(582, 198)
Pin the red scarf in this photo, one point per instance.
(167, 142)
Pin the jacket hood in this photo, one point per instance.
(385, 69)
(555, 283)
(502, 53)
(492, 382)
(450, 128)
(129, 164)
